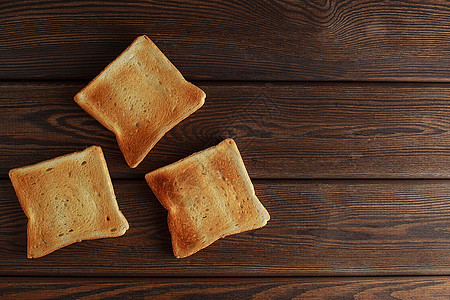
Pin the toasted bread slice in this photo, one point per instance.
(67, 199)
(139, 97)
(209, 195)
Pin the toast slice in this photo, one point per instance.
(67, 199)
(139, 97)
(208, 196)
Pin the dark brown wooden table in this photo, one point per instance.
(341, 110)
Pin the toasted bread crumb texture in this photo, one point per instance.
(209, 195)
(66, 200)
(140, 96)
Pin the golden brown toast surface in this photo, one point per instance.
(208, 195)
(139, 97)
(67, 199)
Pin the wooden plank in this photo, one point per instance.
(420, 287)
(219, 40)
(307, 130)
(324, 228)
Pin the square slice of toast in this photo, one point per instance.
(208, 196)
(67, 199)
(139, 97)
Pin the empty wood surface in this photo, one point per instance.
(420, 287)
(330, 228)
(232, 40)
(305, 130)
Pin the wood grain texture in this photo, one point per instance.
(327, 228)
(237, 40)
(301, 130)
(430, 287)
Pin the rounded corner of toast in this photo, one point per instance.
(12, 173)
(149, 176)
(95, 148)
(78, 98)
(133, 163)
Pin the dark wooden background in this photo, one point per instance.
(341, 112)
